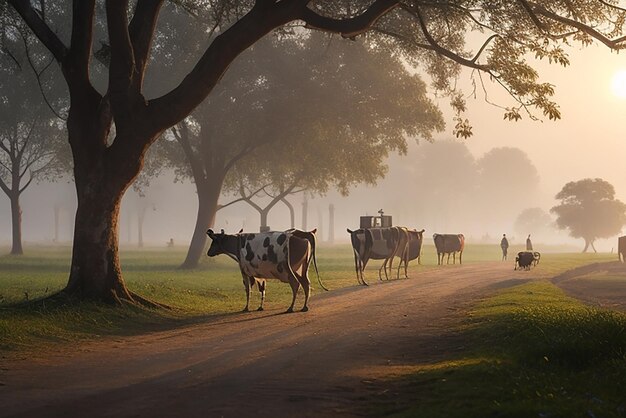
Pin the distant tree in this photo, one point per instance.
(296, 114)
(30, 135)
(444, 178)
(508, 181)
(535, 221)
(589, 210)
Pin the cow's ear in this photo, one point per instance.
(222, 232)
(314, 231)
(348, 229)
(240, 231)
(210, 233)
(423, 230)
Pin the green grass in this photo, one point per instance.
(531, 352)
(212, 289)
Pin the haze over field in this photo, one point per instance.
(587, 142)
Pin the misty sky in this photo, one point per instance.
(587, 142)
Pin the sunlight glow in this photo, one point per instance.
(618, 85)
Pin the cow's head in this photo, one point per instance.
(218, 243)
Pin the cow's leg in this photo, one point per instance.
(306, 285)
(357, 265)
(246, 286)
(448, 259)
(363, 264)
(460, 255)
(295, 285)
(383, 267)
(261, 283)
(454, 257)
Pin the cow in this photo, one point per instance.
(526, 259)
(312, 238)
(402, 243)
(449, 244)
(621, 249)
(385, 246)
(267, 255)
(361, 240)
(373, 244)
(413, 250)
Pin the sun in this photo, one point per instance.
(618, 84)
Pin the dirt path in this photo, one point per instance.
(262, 364)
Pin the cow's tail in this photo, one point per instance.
(310, 236)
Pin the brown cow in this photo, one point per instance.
(449, 244)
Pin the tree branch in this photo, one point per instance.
(348, 28)
(30, 180)
(141, 32)
(617, 43)
(122, 63)
(4, 187)
(81, 41)
(41, 30)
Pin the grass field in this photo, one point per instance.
(529, 351)
(214, 288)
(533, 352)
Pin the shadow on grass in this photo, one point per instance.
(548, 359)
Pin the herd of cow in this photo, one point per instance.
(287, 255)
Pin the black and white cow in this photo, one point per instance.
(374, 244)
(361, 246)
(527, 259)
(449, 244)
(413, 250)
(267, 255)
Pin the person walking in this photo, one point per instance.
(529, 244)
(504, 244)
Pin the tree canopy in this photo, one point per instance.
(589, 210)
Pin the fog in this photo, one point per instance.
(587, 142)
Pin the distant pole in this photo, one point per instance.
(331, 223)
(305, 211)
(57, 209)
(320, 224)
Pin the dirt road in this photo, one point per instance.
(262, 364)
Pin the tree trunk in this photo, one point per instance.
(264, 213)
(305, 212)
(96, 272)
(593, 246)
(292, 214)
(16, 219)
(57, 211)
(586, 245)
(208, 196)
(140, 218)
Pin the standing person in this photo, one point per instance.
(529, 244)
(504, 244)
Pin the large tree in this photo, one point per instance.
(110, 129)
(589, 210)
(289, 116)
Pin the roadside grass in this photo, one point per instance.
(213, 289)
(530, 351)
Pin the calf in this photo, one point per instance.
(267, 255)
(525, 260)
